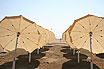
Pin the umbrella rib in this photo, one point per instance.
(29, 39)
(6, 29)
(89, 23)
(9, 42)
(12, 24)
(30, 33)
(84, 42)
(99, 43)
(81, 36)
(84, 22)
(98, 31)
(101, 27)
(20, 23)
(6, 35)
(78, 37)
(39, 39)
(82, 26)
(99, 35)
(97, 24)
(78, 31)
(26, 27)
(42, 33)
(24, 43)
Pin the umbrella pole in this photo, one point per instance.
(29, 57)
(13, 65)
(70, 48)
(78, 56)
(37, 51)
(91, 52)
(73, 51)
(43, 47)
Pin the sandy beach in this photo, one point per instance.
(56, 55)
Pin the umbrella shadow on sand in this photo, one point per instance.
(67, 47)
(46, 48)
(66, 50)
(73, 62)
(69, 55)
(75, 65)
(22, 61)
(21, 64)
(101, 55)
(40, 50)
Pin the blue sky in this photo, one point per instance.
(55, 14)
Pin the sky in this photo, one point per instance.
(54, 15)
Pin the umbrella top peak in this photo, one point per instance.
(83, 17)
(70, 27)
(88, 15)
(13, 17)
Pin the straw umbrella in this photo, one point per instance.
(48, 36)
(51, 36)
(42, 38)
(68, 39)
(71, 45)
(18, 32)
(88, 33)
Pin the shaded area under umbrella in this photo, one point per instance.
(74, 65)
(21, 63)
(23, 58)
(69, 54)
(87, 33)
(101, 55)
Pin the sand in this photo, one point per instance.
(54, 56)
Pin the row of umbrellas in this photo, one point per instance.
(87, 33)
(20, 32)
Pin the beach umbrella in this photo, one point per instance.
(42, 38)
(48, 36)
(51, 36)
(68, 39)
(88, 33)
(18, 32)
(63, 37)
